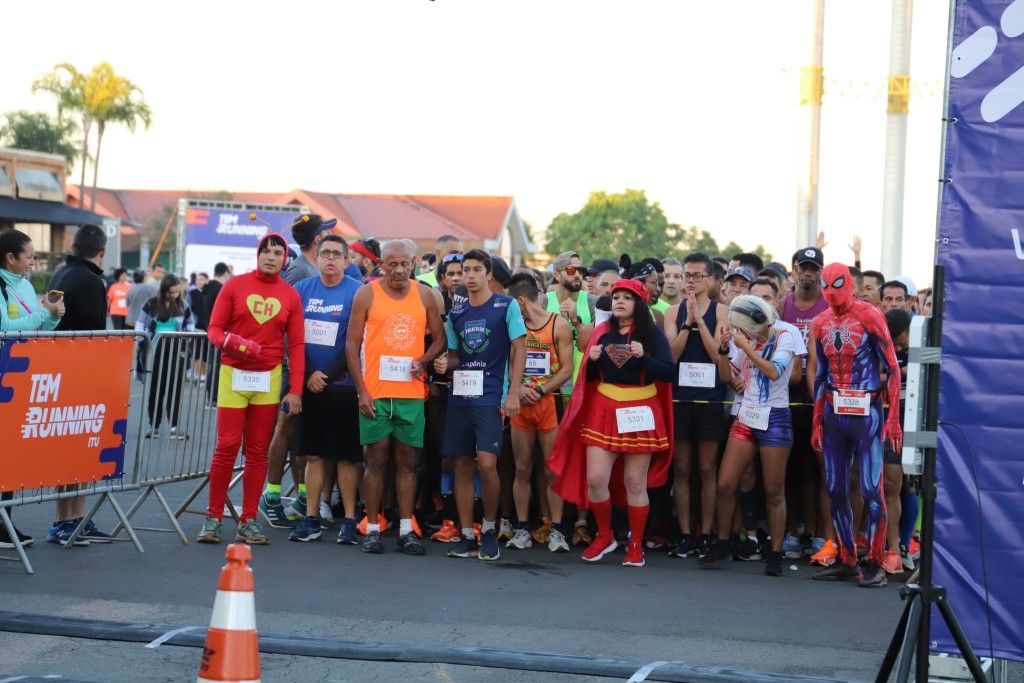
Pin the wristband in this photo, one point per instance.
(723, 351)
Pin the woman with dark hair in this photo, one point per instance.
(117, 299)
(616, 437)
(166, 312)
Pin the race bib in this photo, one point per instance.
(755, 417)
(321, 333)
(851, 402)
(468, 383)
(701, 375)
(396, 368)
(538, 363)
(245, 380)
(637, 419)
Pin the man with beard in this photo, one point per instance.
(575, 306)
(672, 284)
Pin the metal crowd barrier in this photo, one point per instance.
(73, 488)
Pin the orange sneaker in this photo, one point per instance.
(476, 531)
(542, 533)
(892, 563)
(827, 555)
(448, 533)
(416, 527)
(382, 522)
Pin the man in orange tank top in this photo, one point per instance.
(385, 349)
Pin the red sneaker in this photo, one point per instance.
(892, 563)
(634, 556)
(601, 546)
(448, 533)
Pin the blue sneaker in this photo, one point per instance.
(792, 548)
(489, 545)
(347, 535)
(60, 532)
(467, 547)
(308, 530)
(273, 512)
(94, 535)
(297, 509)
(817, 543)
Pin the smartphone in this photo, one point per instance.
(54, 295)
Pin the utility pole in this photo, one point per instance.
(811, 89)
(896, 138)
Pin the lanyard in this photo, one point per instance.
(20, 301)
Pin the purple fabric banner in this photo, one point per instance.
(979, 550)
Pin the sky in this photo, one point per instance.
(695, 102)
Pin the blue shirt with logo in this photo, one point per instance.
(326, 311)
(483, 337)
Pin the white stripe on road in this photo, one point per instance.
(167, 636)
(643, 672)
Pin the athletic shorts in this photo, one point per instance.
(779, 432)
(468, 429)
(327, 423)
(402, 418)
(700, 421)
(227, 397)
(540, 417)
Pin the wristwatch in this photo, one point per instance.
(540, 390)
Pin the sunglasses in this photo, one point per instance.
(456, 257)
(572, 270)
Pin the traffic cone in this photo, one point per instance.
(232, 651)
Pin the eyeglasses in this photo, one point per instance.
(694, 277)
(572, 270)
(331, 255)
(455, 256)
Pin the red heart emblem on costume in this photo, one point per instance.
(619, 353)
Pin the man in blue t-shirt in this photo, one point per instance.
(486, 351)
(330, 407)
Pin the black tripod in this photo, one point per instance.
(913, 631)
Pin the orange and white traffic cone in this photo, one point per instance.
(232, 651)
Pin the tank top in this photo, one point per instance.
(694, 352)
(395, 330)
(542, 359)
(801, 318)
(583, 311)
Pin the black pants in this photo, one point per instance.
(165, 385)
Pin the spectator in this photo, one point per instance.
(894, 296)
(117, 299)
(871, 290)
(141, 291)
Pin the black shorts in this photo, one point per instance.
(329, 425)
(700, 421)
(468, 429)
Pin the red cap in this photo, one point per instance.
(635, 287)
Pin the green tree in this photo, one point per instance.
(39, 132)
(612, 224)
(695, 239)
(67, 85)
(125, 106)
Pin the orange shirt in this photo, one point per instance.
(117, 295)
(394, 335)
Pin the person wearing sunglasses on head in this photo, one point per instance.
(444, 246)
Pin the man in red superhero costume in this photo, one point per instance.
(249, 322)
(851, 344)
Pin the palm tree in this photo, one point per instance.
(67, 84)
(127, 107)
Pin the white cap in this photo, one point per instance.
(911, 287)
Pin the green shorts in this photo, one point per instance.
(399, 417)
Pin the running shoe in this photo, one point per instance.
(906, 559)
(175, 435)
(656, 541)
(210, 533)
(827, 555)
(581, 534)
(273, 511)
(434, 520)
(326, 515)
(448, 533)
(687, 547)
(773, 563)
(372, 543)
(347, 533)
(309, 529)
(891, 563)
(915, 549)
(466, 547)
(520, 540)
(7, 543)
(489, 545)
(601, 546)
(249, 531)
(60, 532)
(872, 575)
(382, 522)
(838, 572)
(476, 531)
(634, 556)
(817, 543)
(714, 552)
(557, 542)
(791, 547)
(92, 534)
(410, 544)
(297, 509)
(541, 533)
(747, 550)
(505, 530)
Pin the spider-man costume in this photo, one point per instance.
(852, 340)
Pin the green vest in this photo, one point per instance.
(661, 306)
(583, 311)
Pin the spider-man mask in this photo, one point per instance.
(837, 286)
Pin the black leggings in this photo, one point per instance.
(165, 385)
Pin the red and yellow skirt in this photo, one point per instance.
(600, 423)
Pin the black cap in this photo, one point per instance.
(809, 255)
(601, 265)
(500, 271)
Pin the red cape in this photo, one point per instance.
(568, 459)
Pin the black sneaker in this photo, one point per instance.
(372, 543)
(773, 563)
(687, 547)
(5, 539)
(410, 544)
(838, 571)
(466, 547)
(747, 550)
(871, 575)
(712, 553)
(489, 545)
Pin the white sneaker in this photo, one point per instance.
(504, 530)
(326, 516)
(557, 542)
(520, 540)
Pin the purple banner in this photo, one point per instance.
(979, 549)
(229, 236)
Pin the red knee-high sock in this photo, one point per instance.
(259, 427)
(637, 523)
(603, 516)
(230, 424)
